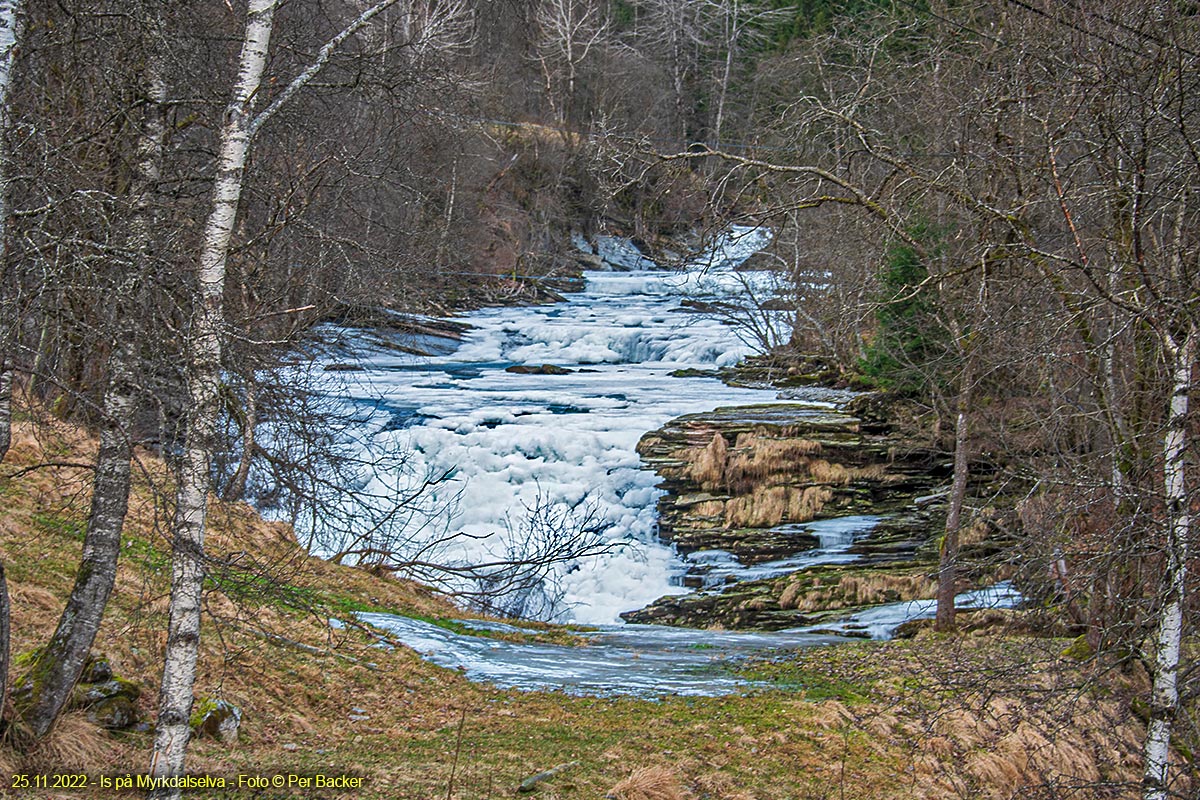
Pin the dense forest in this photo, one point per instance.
(985, 213)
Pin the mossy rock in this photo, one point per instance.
(96, 669)
(217, 719)
(1078, 649)
(88, 694)
(116, 713)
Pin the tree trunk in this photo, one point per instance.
(61, 662)
(5, 613)
(5, 405)
(1164, 694)
(10, 32)
(204, 375)
(203, 371)
(948, 558)
(249, 421)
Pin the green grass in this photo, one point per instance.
(59, 525)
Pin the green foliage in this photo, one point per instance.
(909, 341)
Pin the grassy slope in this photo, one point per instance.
(970, 716)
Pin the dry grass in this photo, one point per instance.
(805, 505)
(824, 472)
(756, 458)
(978, 531)
(649, 783)
(707, 468)
(917, 727)
(709, 509)
(770, 505)
(761, 509)
(74, 745)
(855, 590)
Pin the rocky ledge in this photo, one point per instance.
(735, 476)
(744, 480)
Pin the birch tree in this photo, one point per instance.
(10, 32)
(59, 664)
(205, 341)
(1070, 155)
(10, 36)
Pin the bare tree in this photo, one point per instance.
(48, 685)
(10, 37)
(568, 31)
(203, 368)
(1068, 162)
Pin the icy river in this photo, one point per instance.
(514, 442)
(554, 446)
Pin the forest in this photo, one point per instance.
(975, 227)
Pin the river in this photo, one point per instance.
(556, 442)
(625, 355)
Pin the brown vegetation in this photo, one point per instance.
(649, 783)
(851, 590)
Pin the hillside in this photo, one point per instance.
(977, 714)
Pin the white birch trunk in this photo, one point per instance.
(10, 32)
(204, 374)
(1164, 694)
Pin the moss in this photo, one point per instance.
(201, 710)
(815, 686)
(1078, 649)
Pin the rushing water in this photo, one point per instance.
(560, 442)
(515, 442)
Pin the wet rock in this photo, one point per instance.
(544, 369)
(217, 719)
(735, 475)
(692, 372)
(818, 595)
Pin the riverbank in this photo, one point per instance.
(745, 485)
(980, 714)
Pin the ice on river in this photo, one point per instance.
(834, 537)
(880, 622)
(648, 660)
(512, 442)
(641, 660)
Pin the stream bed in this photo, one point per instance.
(644, 660)
(535, 416)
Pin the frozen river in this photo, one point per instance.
(514, 442)
(532, 421)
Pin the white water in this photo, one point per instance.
(514, 441)
(879, 622)
(834, 536)
(641, 660)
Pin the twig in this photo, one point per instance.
(457, 749)
(306, 648)
(530, 783)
